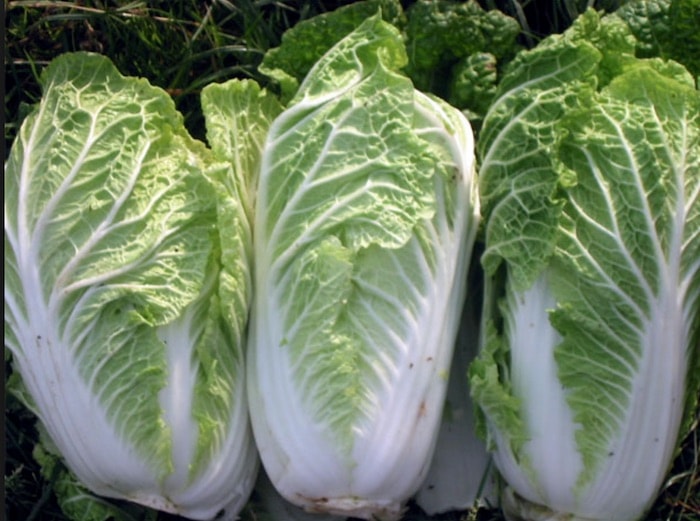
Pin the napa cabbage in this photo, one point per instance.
(127, 289)
(590, 190)
(365, 217)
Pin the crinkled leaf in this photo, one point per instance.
(304, 43)
(666, 29)
(441, 34)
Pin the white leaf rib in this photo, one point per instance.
(397, 342)
(615, 336)
(311, 230)
(307, 182)
(103, 277)
(25, 248)
(513, 161)
(604, 377)
(388, 370)
(522, 86)
(502, 204)
(105, 227)
(107, 401)
(639, 184)
(68, 182)
(691, 202)
(22, 246)
(505, 131)
(15, 319)
(398, 308)
(616, 233)
(427, 274)
(593, 263)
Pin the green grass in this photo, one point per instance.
(181, 47)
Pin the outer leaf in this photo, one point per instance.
(304, 43)
(446, 40)
(75, 500)
(127, 339)
(666, 29)
(364, 224)
(238, 115)
(269, 505)
(518, 183)
(637, 307)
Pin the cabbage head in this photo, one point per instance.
(365, 218)
(590, 171)
(127, 287)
